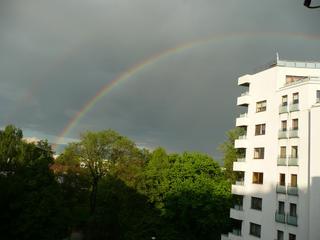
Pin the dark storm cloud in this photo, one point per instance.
(55, 55)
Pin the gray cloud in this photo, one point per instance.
(56, 55)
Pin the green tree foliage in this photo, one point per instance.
(124, 214)
(230, 153)
(102, 153)
(31, 203)
(10, 149)
(191, 192)
(107, 188)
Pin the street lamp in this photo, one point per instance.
(307, 3)
(153, 238)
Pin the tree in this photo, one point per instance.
(230, 153)
(191, 191)
(10, 149)
(100, 153)
(31, 202)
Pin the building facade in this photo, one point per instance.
(277, 193)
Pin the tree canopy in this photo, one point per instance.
(105, 187)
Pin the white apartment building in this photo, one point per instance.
(277, 194)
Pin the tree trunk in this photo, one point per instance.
(93, 196)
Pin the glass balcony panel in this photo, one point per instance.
(243, 137)
(243, 115)
(239, 182)
(238, 207)
(292, 190)
(244, 94)
(293, 161)
(283, 109)
(293, 133)
(282, 161)
(242, 159)
(294, 107)
(281, 189)
(280, 217)
(236, 232)
(292, 220)
(282, 134)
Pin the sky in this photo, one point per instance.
(55, 56)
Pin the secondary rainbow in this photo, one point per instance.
(155, 58)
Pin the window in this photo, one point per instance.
(282, 179)
(280, 235)
(284, 125)
(281, 207)
(256, 203)
(283, 152)
(293, 209)
(318, 96)
(292, 236)
(295, 124)
(294, 151)
(261, 106)
(295, 98)
(257, 178)
(284, 100)
(258, 153)
(294, 180)
(261, 129)
(255, 229)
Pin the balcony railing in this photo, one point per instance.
(238, 207)
(244, 94)
(292, 190)
(281, 188)
(242, 159)
(293, 161)
(294, 107)
(292, 220)
(282, 134)
(293, 133)
(282, 161)
(280, 217)
(242, 137)
(243, 115)
(239, 182)
(283, 109)
(236, 232)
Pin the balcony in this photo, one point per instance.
(293, 133)
(241, 159)
(282, 134)
(242, 120)
(292, 220)
(283, 109)
(237, 213)
(244, 80)
(292, 190)
(238, 188)
(239, 166)
(239, 182)
(294, 107)
(236, 232)
(293, 161)
(281, 189)
(244, 99)
(280, 217)
(232, 236)
(282, 161)
(241, 142)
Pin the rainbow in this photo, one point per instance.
(127, 74)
